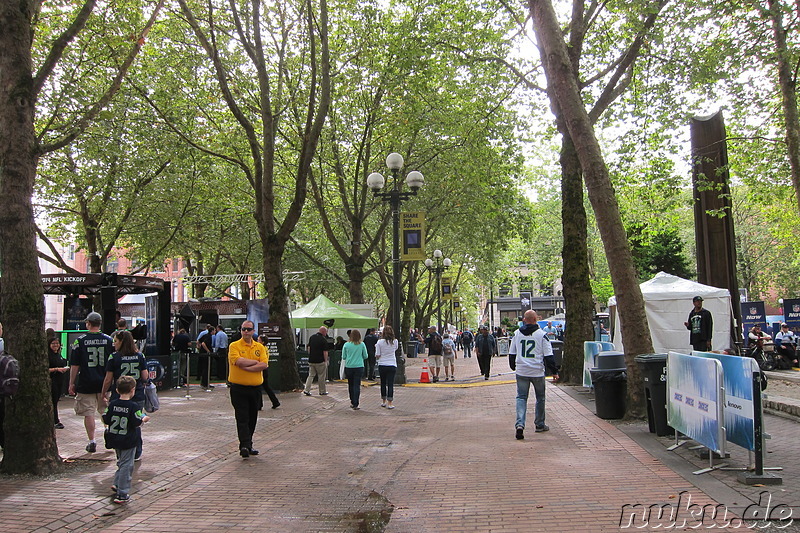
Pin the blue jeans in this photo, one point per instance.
(354, 376)
(387, 374)
(523, 387)
(122, 479)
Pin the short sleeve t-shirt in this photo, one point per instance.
(127, 365)
(255, 351)
(90, 352)
(317, 344)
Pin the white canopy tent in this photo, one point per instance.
(667, 302)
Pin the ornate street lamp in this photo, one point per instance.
(437, 265)
(375, 181)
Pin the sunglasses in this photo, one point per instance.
(248, 329)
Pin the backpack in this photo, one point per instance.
(466, 337)
(9, 375)
(436, 345)
(447, 349)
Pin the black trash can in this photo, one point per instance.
(610, 389)
(558, 352)
(411, 349)
(654, 376)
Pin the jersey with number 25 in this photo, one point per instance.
(531, 351)
(90, 352)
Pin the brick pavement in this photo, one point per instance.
(444, 460)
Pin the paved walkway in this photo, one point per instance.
(444, 460)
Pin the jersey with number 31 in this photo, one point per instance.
(90, 352)
(530, 351)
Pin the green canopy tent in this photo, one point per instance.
(314, 313)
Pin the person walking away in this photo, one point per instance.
(247, 360)
(181, 343)
(529, 356)
(354, 353)
(434, 343)
(221, 352)
(86, 374)
(370, 340)
(386, 356)
(485, 349)
(449, 357)
(205, 347)
(701, 326)
(58, 366)
(126, 360)
(317, 361)
(467, 338)
(123, 418)
(786, 342)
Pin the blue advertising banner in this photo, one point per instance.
(753, 313)
(737, 378)
(695, 399)
(791, 313)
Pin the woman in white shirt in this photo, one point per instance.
(385, 351)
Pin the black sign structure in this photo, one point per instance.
(791, 313)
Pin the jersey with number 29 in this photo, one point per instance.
(530, 352)
(89, 352)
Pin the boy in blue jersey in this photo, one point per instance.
(123, 418)
(530, 353)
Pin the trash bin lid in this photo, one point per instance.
(651, 358)
(608, 374)
(610, 360)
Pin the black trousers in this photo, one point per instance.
(485, 364)
(265, 386)
(56, 384)
(246, 400)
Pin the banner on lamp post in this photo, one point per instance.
(412, 229)
(447, 288)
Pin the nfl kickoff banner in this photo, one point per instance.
(737, 375)
(412, 228)
(695, 399)
(753, 313)
(791, 313)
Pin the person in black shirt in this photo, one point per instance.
(57, 365)
(701, 326)
(370, 340)
(123, 418)
(317, 361)
(205, 348)
(87, 372)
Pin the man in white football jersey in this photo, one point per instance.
(530, 354)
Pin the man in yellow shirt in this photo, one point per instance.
(247, 359)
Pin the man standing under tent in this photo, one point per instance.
(701, 326)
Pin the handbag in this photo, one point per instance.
(151, 403)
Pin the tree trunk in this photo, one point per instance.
(788, 86)
(575, 255)
(355, 277)
(289, 378)
(29, 415)
(564, 87)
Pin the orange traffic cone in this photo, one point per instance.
(425, 377)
